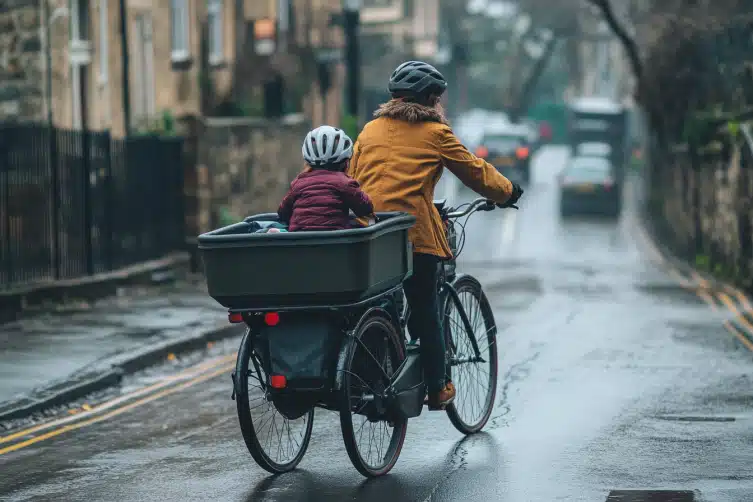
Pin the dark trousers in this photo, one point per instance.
(424, 322)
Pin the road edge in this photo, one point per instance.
(66, 391)
(14, 303)
(701, 281)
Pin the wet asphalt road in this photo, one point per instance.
(611, 377)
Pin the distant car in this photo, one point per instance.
(587, 185)
(507, 146)
(593, 150)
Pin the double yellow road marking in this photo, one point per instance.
(170, 385)
(741, 325)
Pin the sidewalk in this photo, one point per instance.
(59, 356)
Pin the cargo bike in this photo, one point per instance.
(326, 328)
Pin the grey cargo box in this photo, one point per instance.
(250, 271)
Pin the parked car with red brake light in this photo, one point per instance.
(588, 185)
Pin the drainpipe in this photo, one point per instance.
(48, 60)
(47, 18)
(126, 72)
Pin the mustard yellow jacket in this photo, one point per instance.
(398, 160)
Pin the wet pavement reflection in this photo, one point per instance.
(614, 382)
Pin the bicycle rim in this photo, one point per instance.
(276, 443)
(475, 382)
(374, 352)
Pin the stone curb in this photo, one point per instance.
(81, 385)
(14, 302)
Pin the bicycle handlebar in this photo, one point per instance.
(480, 204)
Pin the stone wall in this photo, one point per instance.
(701, 205)
(21, 60)
(245, 166)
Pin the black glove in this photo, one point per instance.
(517, 192)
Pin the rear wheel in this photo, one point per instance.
(475, 380)
(372, 353)
(276, 443)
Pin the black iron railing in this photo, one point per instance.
(76, 203)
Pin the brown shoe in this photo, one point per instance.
(442, 399)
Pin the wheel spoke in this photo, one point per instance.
(371, 444)
(280, 440)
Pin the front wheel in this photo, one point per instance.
(275, 442)
(475, 378)
(371, 355)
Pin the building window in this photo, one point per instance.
(103, 46)
(180, 20)
(215, 26)
(79, 20)
(143, 102)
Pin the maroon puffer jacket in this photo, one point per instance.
(320, 200)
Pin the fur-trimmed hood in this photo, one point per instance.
(410, 112)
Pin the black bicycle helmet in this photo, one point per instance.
(417, 77)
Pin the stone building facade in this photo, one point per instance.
(64, 58)
(21, 60)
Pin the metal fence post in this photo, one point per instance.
(180, 213)
(54, 200)
(108, 199)
(86, 202)
(5, 185)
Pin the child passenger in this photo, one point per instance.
(320, 197)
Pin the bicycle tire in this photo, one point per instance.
(469, 286)
(248, 430)
(373, 322)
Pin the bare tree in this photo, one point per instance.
(560, 21)
(621, 32)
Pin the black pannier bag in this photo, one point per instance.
(302, 347)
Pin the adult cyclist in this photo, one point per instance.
(398, 160)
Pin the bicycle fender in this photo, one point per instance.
(238, 363)
(445, 295)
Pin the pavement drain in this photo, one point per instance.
(651, 496)
(696, 419)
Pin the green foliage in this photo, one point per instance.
(733, 128)
(162, 125)
(702, 262)
(225, 217)
(349, 124)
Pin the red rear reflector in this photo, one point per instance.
(278, 381)
(482, 152)
(522, 152)
(271, 318)
(235, 317)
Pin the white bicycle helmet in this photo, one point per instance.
(326, 145)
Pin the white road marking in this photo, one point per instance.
(509, 220)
